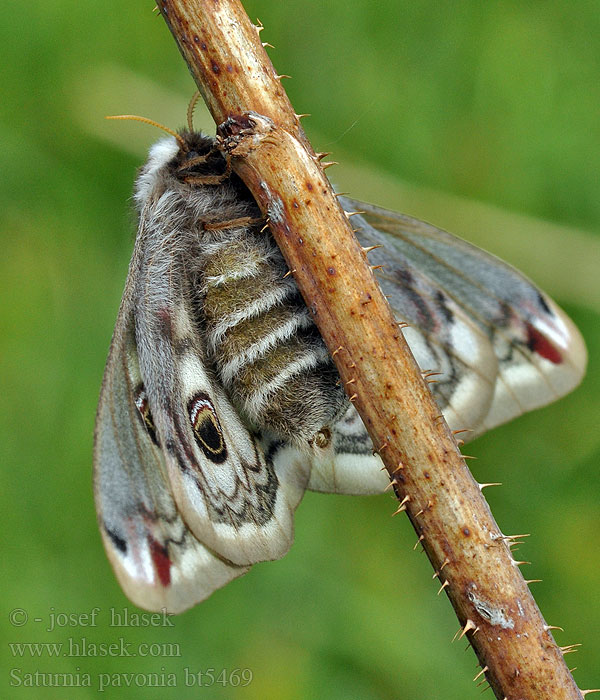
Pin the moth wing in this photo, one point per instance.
(230, 489)
(158, 561)
(347, 465)
(474, 299)
(500, 345)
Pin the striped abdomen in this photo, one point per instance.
(269, 355)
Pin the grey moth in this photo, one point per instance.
(220, 404)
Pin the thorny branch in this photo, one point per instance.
(270, 152)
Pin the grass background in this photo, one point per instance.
(480, 117)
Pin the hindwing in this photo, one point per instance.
(500, 346)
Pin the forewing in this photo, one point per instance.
(158, 561)
(223, 478)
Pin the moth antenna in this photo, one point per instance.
(190, 110)
(145, 120)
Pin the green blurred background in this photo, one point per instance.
(480, 117)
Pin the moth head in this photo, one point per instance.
(187, 156)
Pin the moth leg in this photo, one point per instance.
(231, 223)
(198, 160)
(208, 179)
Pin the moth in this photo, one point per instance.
(220, 403)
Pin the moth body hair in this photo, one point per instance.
(257, 334)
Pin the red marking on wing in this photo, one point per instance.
(161, 560)
(537, 342)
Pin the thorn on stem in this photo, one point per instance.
(569, 648)
(369, 248)
(483, 670)
(421, 538)
(402, 506)
(470, 625)
(392, 483)
(444, 585)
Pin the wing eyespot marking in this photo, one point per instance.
(207, 428)
(143, 407)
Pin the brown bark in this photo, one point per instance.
(270, 152)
